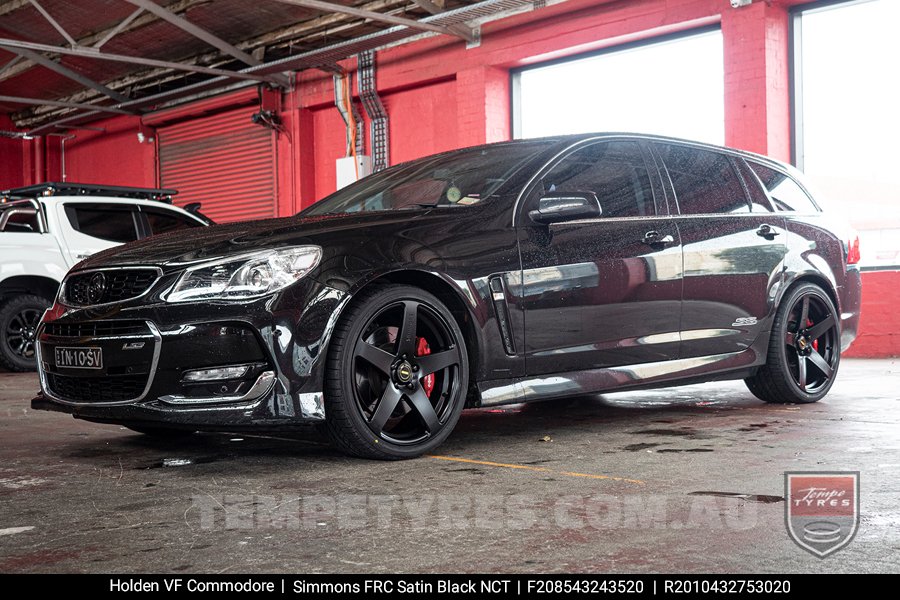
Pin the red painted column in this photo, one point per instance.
(304, 151)
(482, 106)
(757, 101)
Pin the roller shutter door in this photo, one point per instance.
(224, 161)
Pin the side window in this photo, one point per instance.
(705, 182)
(759, 200)
(615, 171)
(163, 221)
(786, 194)
(104, 221)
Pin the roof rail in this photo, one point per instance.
(54, 188)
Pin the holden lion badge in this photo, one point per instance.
(822, 509)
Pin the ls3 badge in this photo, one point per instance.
(821, 511)
(744, 321)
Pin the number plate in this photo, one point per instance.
(79, 358)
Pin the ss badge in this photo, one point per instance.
(744, 321)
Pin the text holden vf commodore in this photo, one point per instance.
(505, 273)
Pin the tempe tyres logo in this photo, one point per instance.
(822, 509)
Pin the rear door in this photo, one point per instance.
(604, 291)
(734, 249)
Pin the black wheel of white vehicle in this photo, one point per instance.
(397, 374)
(19, 319)
(804, 350)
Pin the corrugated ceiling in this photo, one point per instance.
(267, 29)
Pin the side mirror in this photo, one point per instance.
(566, 206)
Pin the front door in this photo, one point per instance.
(603, 291)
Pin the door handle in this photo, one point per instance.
(654, 238)
(767, 231)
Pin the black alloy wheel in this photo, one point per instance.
(19, 320)
(397, 376)
(804, 350)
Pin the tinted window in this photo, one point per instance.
(460, 178)
(759, 200)
(162, 221)
(786, 194)
(103, 221)
(705, 182)
(615, 171)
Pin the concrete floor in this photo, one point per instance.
(684, 479)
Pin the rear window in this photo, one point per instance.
(103, 221)
(786, 194)
(163, 221)
(705, 182)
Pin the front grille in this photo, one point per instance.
(97, 389)
(101, 287)
(97, 329)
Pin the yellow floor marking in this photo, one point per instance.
(488, 463)
(592, 476)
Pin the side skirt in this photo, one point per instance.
(733, 365)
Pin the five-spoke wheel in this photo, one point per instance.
(398, 374)
(804, 350)
(19, 320)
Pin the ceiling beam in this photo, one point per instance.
(57, 103)
(110, 34)
(325, 25)
(53, 22)
(471, 35)
(482, 11)
(197, 32)
(35, 49)
(367, 14)
(94, 39)
(11, 63)
(49, 63)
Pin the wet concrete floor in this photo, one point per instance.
(674, 480)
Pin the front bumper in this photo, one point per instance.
(147, 349)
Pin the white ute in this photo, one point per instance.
(46, 229)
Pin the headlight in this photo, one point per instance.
(247, 276)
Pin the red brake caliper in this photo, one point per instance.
(809, 324)
(423, 349)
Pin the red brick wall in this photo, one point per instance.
(12, 161)
(879, 328)
(440, 95)
(424, 120)
(757, 99)
(114, 156)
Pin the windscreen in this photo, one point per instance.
(462, 178)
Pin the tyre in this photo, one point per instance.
(804, 350)
(397, 375)
(19, 319)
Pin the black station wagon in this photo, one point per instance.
(518, 271)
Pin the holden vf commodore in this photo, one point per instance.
(506, 273)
